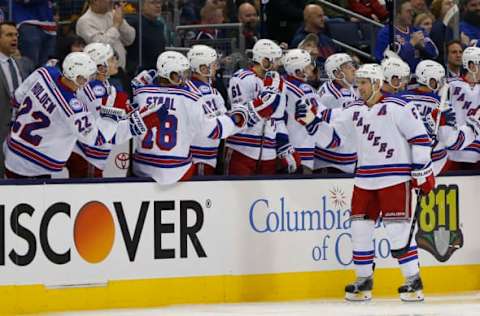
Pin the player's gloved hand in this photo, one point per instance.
(447, 118)
(263, 107)
(423, 179)
(144, 78)
(137, 125)
(289, 159)
(154, 115)
(239, 115)
(474, 122)
(429, 123)
(273, 82)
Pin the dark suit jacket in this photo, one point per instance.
(25, 67)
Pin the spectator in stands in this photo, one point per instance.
(105, 24)
(247, 15)
(37, 29)
(470, 23)
(13, 71)
(284, 17)
(314, 22)
(424, 22)
(419, 7)
(118, 77)
(153, 38)
(210, 14)
(411, 44)
(441, 33)
(369, 8)
(454, 59)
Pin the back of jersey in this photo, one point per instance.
(40, 139)
(163, 153)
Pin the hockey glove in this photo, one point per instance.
(289, 159)
(144, 78)
(239, 115)
(423, 179)
(447, 118)
(474, 122)
(429, 123)
(137, 125)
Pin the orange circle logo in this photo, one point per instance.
(94, 232)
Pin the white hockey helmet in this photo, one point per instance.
(79, 64)
(470, 55)
(427, 70)
(334, 62)
(370, 71)
(99, 52)
(200, 55)
(266, 49)
(296, 59)
(395, 67)
(172, 62)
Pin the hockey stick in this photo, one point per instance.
(442, 106)
(262, 140)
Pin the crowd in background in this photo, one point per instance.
(43, 32)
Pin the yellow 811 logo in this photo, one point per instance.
(438, 223)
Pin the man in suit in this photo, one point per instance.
(12, 72)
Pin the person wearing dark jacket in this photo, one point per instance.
(153, 39)
(284, 17)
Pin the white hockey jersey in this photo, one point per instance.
(92, 95)
(342, 157)
(465, 99)
(449, 138)
(390, 141)
(163, 153)
(244, 87)
(47, 124)
(204, 149)
(298, 91)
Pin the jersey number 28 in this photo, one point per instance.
(165, 135)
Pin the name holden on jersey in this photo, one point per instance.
(94, 230)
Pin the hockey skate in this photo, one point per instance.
(412, 290)
(360, 290)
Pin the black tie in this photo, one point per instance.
(13, 73)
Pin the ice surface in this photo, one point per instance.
(458, 305)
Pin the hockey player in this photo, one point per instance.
(464, 97)
(50, 119)
(393, 149)
(337, 93)
(396, 74)
(255, 149)
(203, 63)
(90, 161)
(431, 77)
(164, 152)
(298, 66)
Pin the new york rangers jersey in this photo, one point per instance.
(465, 99)
(244, 87)
(448, 138)
(92, 95)
(298, 91)
(390, 141)
(343, 157)
(163, 153)
(205, 149)
(49, 120)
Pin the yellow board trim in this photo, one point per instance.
(225, 289)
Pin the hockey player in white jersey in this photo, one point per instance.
(396, 74)
(337, 93)
(298, 65)
(447, 135)
(393, 149)
(99, 96)
(50, 119)
(255, 149)
(203, 62)
(164, 152)
(464, 97)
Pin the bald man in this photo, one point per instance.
(314, 23)
(247, 15)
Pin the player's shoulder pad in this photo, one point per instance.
(243, 73)
(181, 91)
(394, 101)
(98, 88)
(332, 89)
(355, 103)
(149, 88)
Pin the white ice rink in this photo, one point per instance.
(461, 305)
